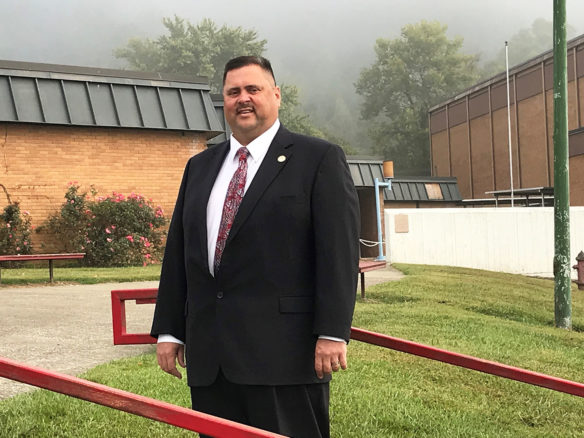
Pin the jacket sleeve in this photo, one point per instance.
(335, 211)
(169, 314)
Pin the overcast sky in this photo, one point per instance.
(299, 33)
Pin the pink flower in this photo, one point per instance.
(25, 243)
(148, 256)
(151, 226)
(72, 201)
(109, 239)
(26, 212)
(130, 238)
(18, 248)
(144, 264)
(108, 231)
(8, 225)
(10, 236)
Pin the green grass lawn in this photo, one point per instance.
(39, 274)
(500, 317)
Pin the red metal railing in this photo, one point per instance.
(473, 363)
(221, 428)
(128, 402)
(119, 298)
(429, 352)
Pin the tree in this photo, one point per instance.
(412, 73)
(203, 50)
(524, 45)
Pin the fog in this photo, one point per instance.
(319, 45)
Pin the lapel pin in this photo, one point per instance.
(281, 158)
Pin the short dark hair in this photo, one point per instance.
(242, 61)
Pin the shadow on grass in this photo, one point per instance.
(509, 313)
(384, 298)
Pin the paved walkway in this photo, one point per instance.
(68, 328)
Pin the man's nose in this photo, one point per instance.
(244, 96)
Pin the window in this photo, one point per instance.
(434, 191)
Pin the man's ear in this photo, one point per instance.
(278, 95)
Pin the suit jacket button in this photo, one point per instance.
(219, 294)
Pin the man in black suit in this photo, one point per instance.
(260, 270)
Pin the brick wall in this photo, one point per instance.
(37, 162)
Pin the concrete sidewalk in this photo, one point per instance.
(65, 328)
(68, 328)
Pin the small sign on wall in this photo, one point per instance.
(402, 224)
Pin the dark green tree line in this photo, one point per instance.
(202, 50)
(410, 74)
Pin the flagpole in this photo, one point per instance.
(509, 121)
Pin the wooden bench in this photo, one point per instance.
(37, 257)
(369, 265)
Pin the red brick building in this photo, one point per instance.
(114, 130)
(469, 133)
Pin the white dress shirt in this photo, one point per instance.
(258, 149)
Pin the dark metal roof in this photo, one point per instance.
(84, 96)
(412, 188)
(219, 106)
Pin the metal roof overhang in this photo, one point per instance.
(219, 109)
(83, 96)
(410, 189)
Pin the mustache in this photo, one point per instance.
(243, 106)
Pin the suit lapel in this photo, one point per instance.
(269, 169)
(208, 177)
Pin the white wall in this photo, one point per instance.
(516, 240)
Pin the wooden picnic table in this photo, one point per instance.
(37, 257)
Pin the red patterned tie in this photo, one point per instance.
(233, 198)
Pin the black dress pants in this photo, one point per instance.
(299, 411)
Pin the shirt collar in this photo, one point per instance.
(257, 148)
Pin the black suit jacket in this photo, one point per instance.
(288, 271)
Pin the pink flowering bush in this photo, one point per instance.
(114, 230)
(15, 231)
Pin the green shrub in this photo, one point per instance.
(70, 224)
(15, 231)
(113, 231)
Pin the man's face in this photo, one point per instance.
(251, 102)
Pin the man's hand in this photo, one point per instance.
(329, 356)
(167, 354)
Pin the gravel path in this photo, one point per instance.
(68, 328)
